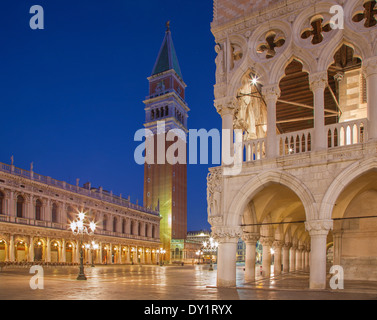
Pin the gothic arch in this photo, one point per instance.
(360, 46)
(341, 182)
(246, 193)
(246, 67)
(309, 64)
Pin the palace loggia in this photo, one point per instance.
(301, 98)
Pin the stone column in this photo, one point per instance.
(286, 248)
(318, 83)
(266, 256)
(11, 249)
(31, 250)
(48, 248)
(250, 240)
(278, 245)
(292, 261)
(63, 256)
(299, 258)
(318, 230)
(226, 108)
(370, 72)
(271, 95)
(227, 237)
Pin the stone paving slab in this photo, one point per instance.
(162, 283)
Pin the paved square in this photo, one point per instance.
(164, 283)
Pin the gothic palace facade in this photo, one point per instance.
(302, 97)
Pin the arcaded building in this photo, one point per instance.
(36, 212)
(297, 81)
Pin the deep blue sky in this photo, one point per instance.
(71, 95)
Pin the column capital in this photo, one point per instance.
(227, 105)
(271, 93)
(227, 234)
(250, 238)
(318, 80)
(278, 244)
(369, 67)
(266, 241)
(287, 245)
(319, 227)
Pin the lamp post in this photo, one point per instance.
(210, 247)
(161, 252)
(199, 253)
(81, 227)
(92, 247)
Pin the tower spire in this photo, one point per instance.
(167, 58)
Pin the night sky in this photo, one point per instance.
(71, 94)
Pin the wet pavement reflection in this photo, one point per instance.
(158, 283)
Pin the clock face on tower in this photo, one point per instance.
(160, 87)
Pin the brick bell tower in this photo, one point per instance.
(165, 185)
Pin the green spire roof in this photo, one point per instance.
(167, 58)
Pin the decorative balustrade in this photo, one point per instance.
(295, 142)
(337, 135)
(254, 150)
(347, 133)
(94, 193)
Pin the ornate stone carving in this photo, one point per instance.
(273, 40)
(220, 67)
(214, 190)
(319, 227)
(250, 237)
(368, 14)
(318, 80)
(317, 30)
(226, 234)
(266, 241)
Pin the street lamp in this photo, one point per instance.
(93, 246)
(199, 253)
(210, 247)
(161, 252)
(81, 227)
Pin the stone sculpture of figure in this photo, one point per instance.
(214, 190)
(251, 116)
(219, 63)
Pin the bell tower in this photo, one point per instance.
(165, 185)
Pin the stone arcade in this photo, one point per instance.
(305, 97)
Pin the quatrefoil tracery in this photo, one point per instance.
(317, 30)
(368, 14)
(273, 41)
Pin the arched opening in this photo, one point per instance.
(69, 252)
(21, 255)
(104, 223)
(2, 209)
(54, 251)
(251, 114)
(3, 250)
(346, 87)
(38, 250)
(115, 222)
(276, 217)
(355, 228)
(20, 207)
(54, 213)
(38, 210)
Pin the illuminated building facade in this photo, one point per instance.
(165, 183)
(35, 216)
